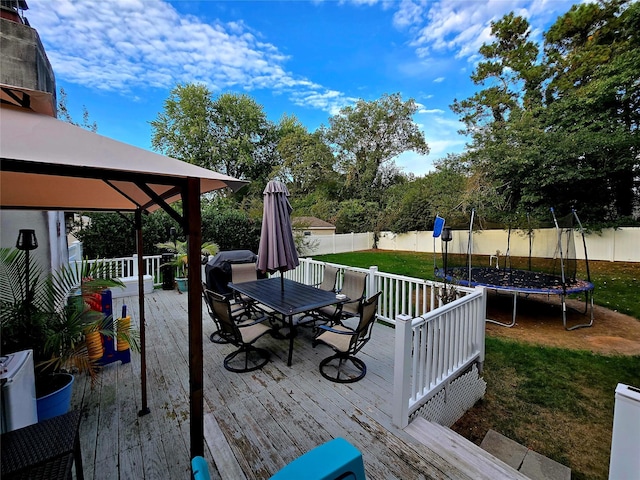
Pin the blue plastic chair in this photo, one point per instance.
(334, 460)
(199, 469)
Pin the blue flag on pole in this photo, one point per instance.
(438, 225)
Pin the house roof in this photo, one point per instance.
(311, 222)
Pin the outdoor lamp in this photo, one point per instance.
(26, 242)
(172, 234)
(446, 237)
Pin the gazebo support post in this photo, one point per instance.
(193, 229)
(143, 348)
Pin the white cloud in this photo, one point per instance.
(408, 13)
(461, 26)
(429, 111)
(122, 45)
(439, 80)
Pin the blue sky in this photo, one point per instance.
(121, 58)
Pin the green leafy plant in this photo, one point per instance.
(180, 261)
(54, 316)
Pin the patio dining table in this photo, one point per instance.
(286, 299)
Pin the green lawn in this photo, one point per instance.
(555, 401)
(616, 284)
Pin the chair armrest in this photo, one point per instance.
(340, 332)
(258, 320)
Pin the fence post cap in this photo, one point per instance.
(404, 318)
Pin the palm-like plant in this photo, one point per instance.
(181, 258)
(54, 317)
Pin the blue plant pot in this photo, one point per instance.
(56, 403)
(183, 284)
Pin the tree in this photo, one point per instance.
(307, 162)
(561, 131)
(63, 114)
(183, 129)
(414, 205)
(594, 97)
(243, 137)
(369, 135)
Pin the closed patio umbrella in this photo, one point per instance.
(277, 251)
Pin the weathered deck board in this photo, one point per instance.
(255, 423)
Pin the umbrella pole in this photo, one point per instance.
(281, 280)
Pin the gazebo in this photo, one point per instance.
(47, 164)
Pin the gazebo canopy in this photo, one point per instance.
(48, 164)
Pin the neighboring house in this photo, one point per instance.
(312, 226)
(27, 81)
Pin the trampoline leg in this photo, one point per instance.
(587, 299)
(513, 318)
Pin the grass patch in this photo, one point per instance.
(558, 402)
(616, 283)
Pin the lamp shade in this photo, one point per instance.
(27, 240)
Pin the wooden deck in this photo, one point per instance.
(255, 423)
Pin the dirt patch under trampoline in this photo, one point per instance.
(539, 321)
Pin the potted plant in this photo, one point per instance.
(180, 260)
(53, 317)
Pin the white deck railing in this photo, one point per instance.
(435, 341)
(128, 267)
(400, 295)
(435, 348)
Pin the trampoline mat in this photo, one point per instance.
(525, 281)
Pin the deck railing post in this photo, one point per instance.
(135, 266)
(401, 373)
(480, 320)
(306, 271)
(371, 281)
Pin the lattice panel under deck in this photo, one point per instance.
(450, 403)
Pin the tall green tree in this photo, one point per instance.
(183, 129)
(230, 134)
(244, 138)
(594, 98)
(307, 162)
(370, 135)
(560, 129)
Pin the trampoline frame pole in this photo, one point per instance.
(470, 245)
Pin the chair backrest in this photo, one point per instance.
(207, 300)
(222, 311)
(243, 272)
(368, 314)
(353, 286)
(329, 277)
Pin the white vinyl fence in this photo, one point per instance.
(615, 245)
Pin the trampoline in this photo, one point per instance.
(560, 279)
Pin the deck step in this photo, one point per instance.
(467, 456)
(528, 462)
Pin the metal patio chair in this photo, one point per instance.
(343, 366)
(243, 335)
